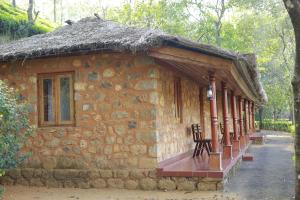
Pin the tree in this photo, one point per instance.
(54, 10)
(293, 9)
(14, 3)
(30, 11)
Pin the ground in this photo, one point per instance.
(269, 176)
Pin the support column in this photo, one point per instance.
(250, 116)
(235, 142)
(227, 148)
(253, 116)
(242, 135)
(246, 116)
(215, 159)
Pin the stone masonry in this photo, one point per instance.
(124, 124)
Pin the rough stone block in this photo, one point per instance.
(36, 182)
(220, 185)
(138, 149)
(147, 163)
(115, 183)
(98, 183)
(83, 184)
(166, 184)
(61, 174)
(137, 174)
(80, 86)
(131, 184)
(64, 162)
(146, 85)
(94, 174)
(92, 76)
(52, 183)
(121, 174)
(14, 173)
(106, 173)
(6, 180)
(27, 173)
(148, 184)
(186, 185)
(207, 186)
(22, 181)
(69, 184)
(108, 73)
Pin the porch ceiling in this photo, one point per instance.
(198, 66)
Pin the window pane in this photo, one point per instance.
(48, 100)
(65, 114)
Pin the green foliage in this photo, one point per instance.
(261, 27)
(278, 125)
(14, 128)
(14, 22)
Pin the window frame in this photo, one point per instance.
(55, 77)
(178, 99)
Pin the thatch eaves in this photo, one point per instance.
(94, 35)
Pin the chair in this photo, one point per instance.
(222, 132)
(201, 143)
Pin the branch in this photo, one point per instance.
(36, 16)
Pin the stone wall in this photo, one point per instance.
(115, 114)
(175, 137)
(124, 124)
(128, 179)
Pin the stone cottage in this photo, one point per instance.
(112, 106)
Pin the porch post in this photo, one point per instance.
(242, 136)
(236, 142)
(227, 148)
(215, 159)
(253, 116)
(246, 116)
(250, 116)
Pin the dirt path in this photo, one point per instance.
(33, 193)
(271, 174)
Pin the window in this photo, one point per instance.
(56, 99)
(178, 98)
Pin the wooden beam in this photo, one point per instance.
(190, 57)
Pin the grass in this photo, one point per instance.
(14, 22)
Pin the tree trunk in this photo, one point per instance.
(14, 3)
(61, 12)
(293, 8)
(54, 10)
(30, 11)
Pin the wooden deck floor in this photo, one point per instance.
(187, 166)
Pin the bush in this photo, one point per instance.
(279, 125)
(14, 128)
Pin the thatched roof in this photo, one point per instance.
(93, 34)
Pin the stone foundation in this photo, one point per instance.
(257, 139)
(133, 179)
